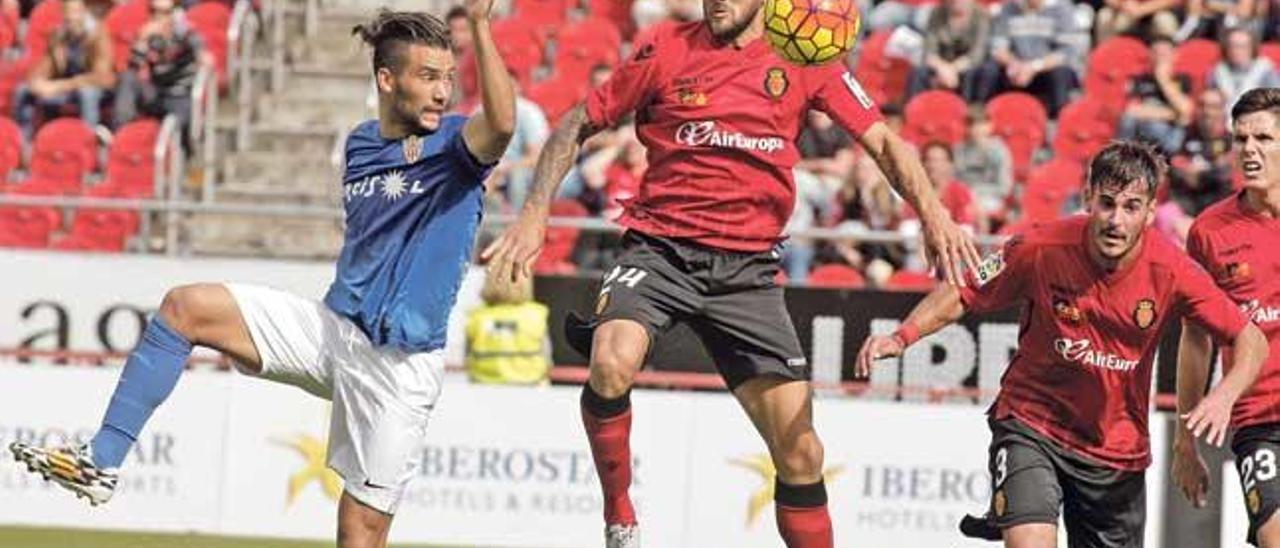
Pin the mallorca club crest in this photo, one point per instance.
(1066, 311)
(412, 148)
(775, 82)
(999, 503)
(1144, 314)
(1254, 501)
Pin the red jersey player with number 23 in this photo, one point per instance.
(1069, 426)
(719, 113)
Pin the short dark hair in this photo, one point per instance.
(391, 31)
(924, 150)
(1224, 41)
(1257, 100)
(456, 12)
(1123, 163)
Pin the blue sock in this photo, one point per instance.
(149, 376)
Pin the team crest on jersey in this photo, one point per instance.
(602, 302)
(1235, 272)
(1254, 501)
(691, 97)
(1144, 314)
(999, 503)
(775, 82)
(412, 148)
(1067, 311)
(990, 267)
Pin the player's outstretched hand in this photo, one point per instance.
(1189, 471)
(949, 247)
(1210, 418)
(513, 253)
(479, 9)
(875, 348)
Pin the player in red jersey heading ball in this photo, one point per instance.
(1069, 426)
(719, 114)
(1237, 241)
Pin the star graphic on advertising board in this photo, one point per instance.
(313, 452)
(394, 185)
(763, 465)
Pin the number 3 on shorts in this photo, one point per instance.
(1002, 467)
(1265, 462)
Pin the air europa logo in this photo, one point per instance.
(705, 134)
(1079, 351)
(1260, 314)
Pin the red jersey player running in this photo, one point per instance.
(1236, 241)
(719, 114)
(1069, 426)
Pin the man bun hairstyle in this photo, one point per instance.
(1123, 163)
(390, 32)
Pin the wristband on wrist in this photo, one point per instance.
(908, 333)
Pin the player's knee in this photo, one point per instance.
(361, 532)
(611, 373)
(188, 309)
(801, 460)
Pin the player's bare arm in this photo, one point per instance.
(1213, 414)
(1190, 473)
(513, 253)
(488, 132)
(947, 246)
(940, 308)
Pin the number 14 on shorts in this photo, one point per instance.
(629, 277)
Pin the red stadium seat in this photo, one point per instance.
(585, 44)
(10, 149)
(557, 251)
(835, 275)
(99, 230)
(1270, 50)
(520, 47)
(885, 78)
(12, 74)
(935, 115)
(1019, 119)
(543, 16)
(130, 168)
(1112, 64)
(45, 18)
(1084, 127)
(210, 20)
(1049, 187)
(910, 280)
(10, 21)
(28, 227)
(1196, 58)
(65, 150)
(616, 11)
(556, 95)
(123, 23)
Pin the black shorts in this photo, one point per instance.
(730, 299)
(1031, 477)
(1256, 448)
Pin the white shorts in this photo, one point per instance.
(382, 397)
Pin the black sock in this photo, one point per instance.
(800, 496)
(602, 408)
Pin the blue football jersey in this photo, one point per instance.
(412, 208)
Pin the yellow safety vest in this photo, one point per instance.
(506, 344)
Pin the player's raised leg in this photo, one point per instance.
(617, 353)
(782, 411)
(201, 314)
(1031, 535)
(360, 525)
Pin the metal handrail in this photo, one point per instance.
(248, 29)
(589, 224)
(170, 171)
(277, 45)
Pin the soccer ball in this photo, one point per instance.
(811, 32)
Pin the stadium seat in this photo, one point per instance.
(11, 75)
(1049, 187)
(557, 251)
(1112, 64)
(835, 275)
(10, 150)
(935, 115)
(884, 78)
(10, 22)
(28, 227)
(123, 23)
(1019, 119)
(210, 20)
(1084, 127)
(616, 11)
(520, 47)
(556, 95)
(1196, 58)
(543, 16)
(910, 280)
(99, 230)
(585, 44)
(44, 19)
(130, 168)
(1270, 50)
(65, 150)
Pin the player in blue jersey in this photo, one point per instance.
(413, 187)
